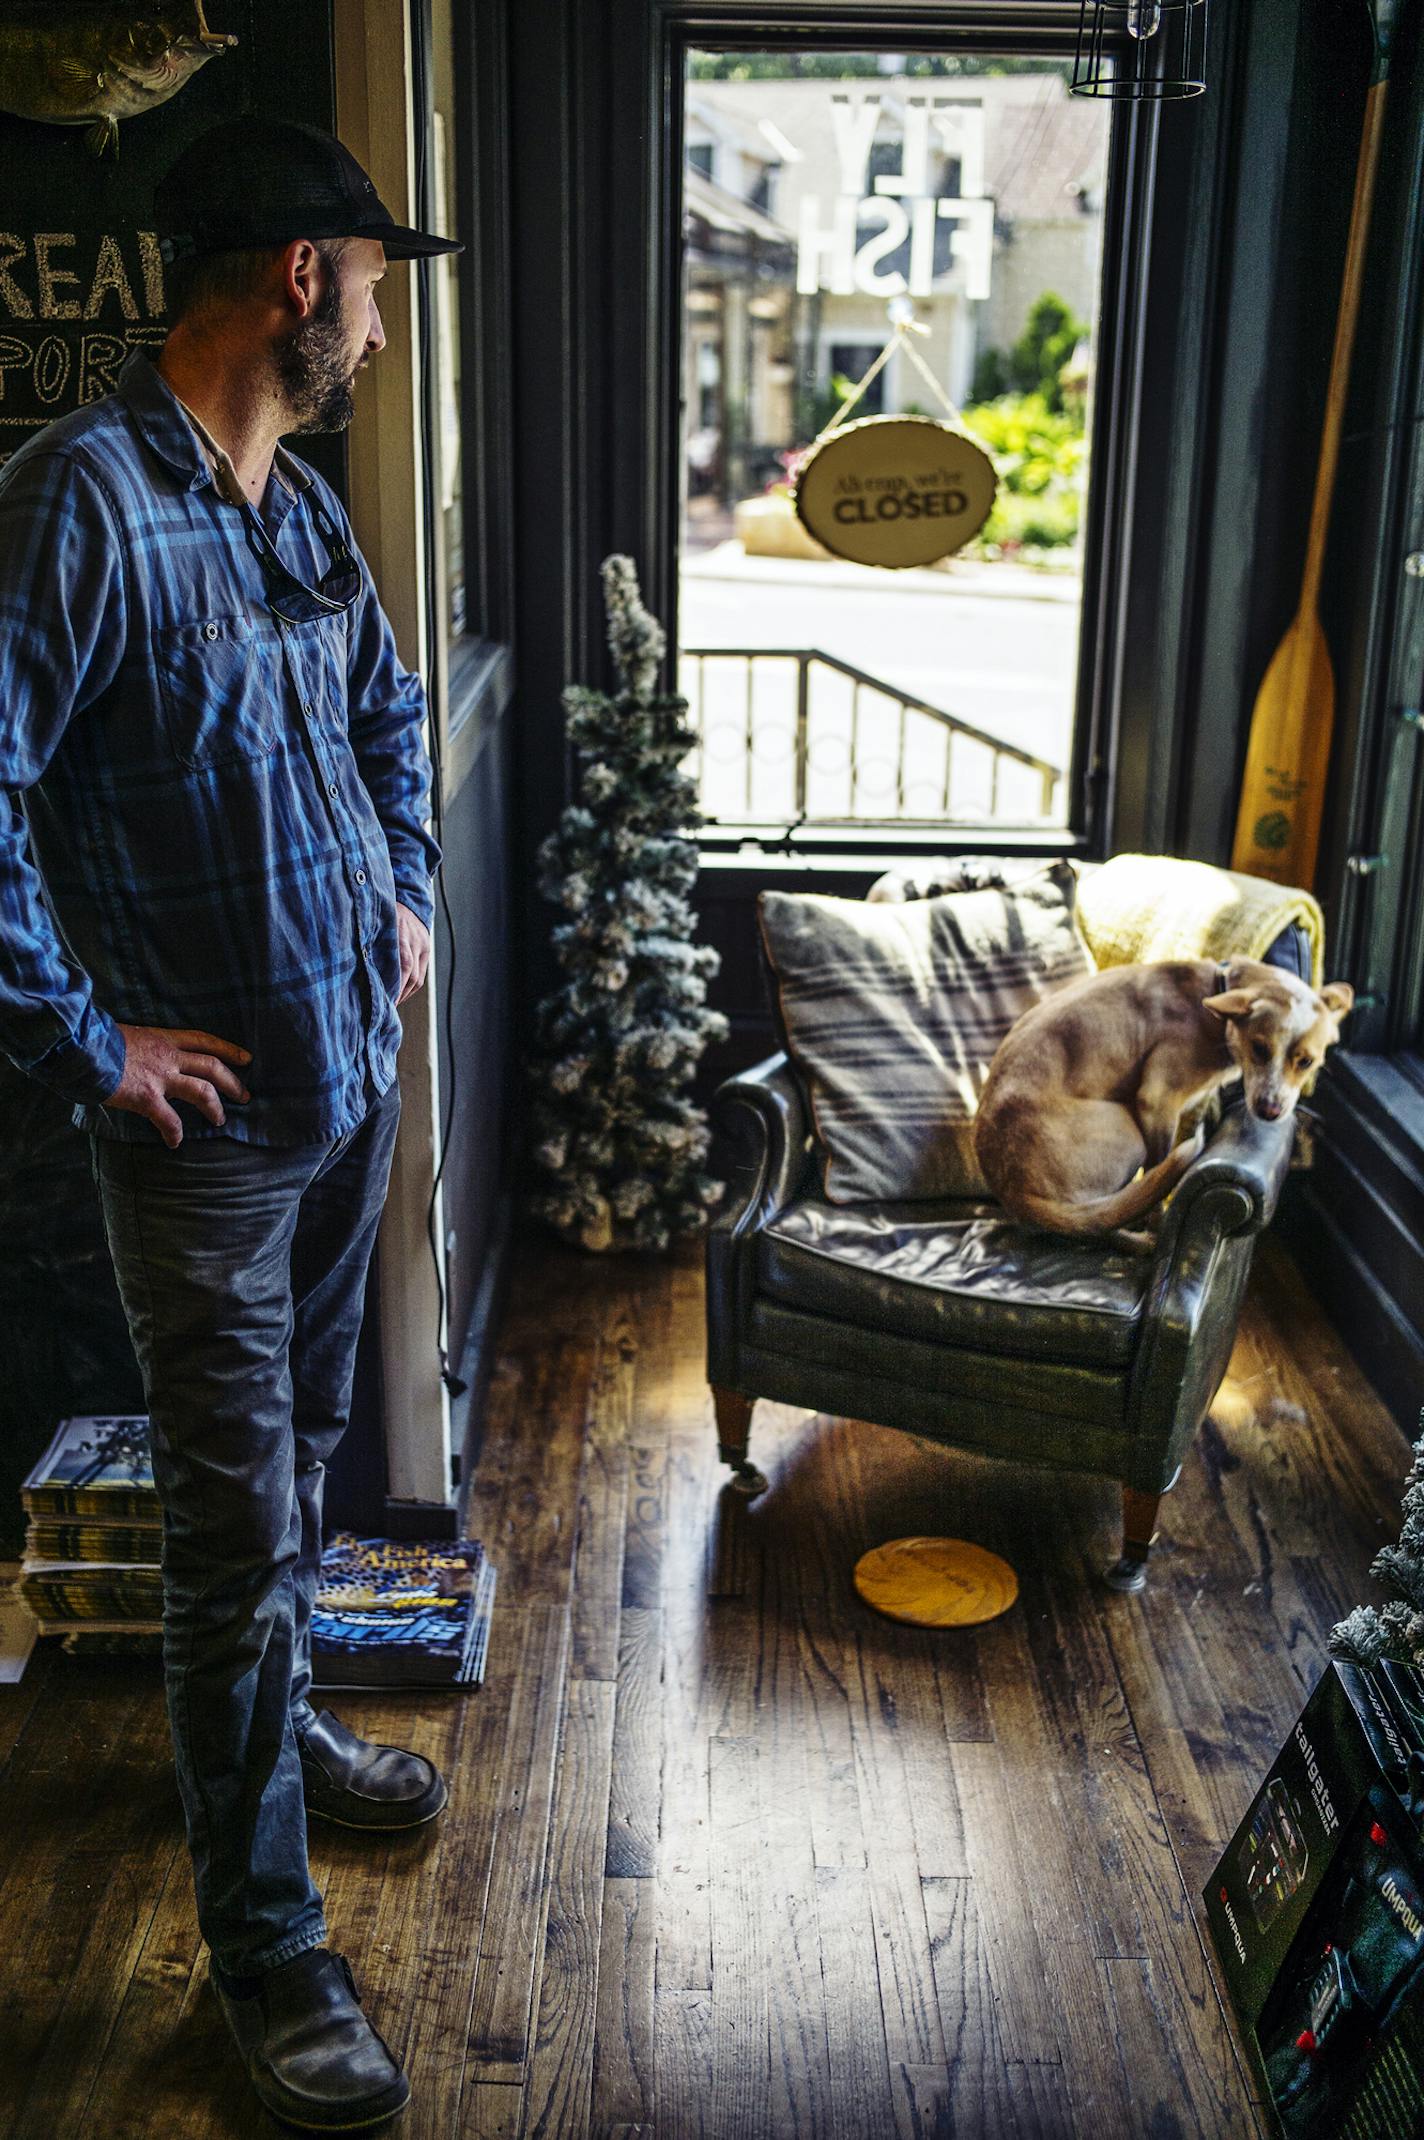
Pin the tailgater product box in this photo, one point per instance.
(1317, 1913)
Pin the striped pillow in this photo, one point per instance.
(893, 1014)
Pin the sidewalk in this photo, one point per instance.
(963, 576)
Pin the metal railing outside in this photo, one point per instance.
(800, 737)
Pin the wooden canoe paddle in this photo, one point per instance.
(1288, 755)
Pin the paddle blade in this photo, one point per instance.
(1283, 786)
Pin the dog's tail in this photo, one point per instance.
(1111, 1212)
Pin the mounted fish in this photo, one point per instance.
(69, 63)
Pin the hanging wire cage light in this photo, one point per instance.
(1136, 50)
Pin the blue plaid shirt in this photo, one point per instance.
(206, 819)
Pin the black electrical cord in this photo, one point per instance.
(421, 69)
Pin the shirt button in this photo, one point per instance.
(307, 707)
(210, 631)
(333, 789)
(360, 876)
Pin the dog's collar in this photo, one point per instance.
(1220, 984)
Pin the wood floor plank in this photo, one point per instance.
(855, 2033)
(977, 2094)
(559, 2086)
(511, 1931)
(624, 2062)
(602, 1504)
(1006, 1866)
(741, 2044)
(632, 1843)
(530, 1532)
(683, 2026)
(800, 2058)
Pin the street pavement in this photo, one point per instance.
(993, 644)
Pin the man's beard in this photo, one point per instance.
(314, 367)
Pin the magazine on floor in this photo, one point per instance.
(402, 1612)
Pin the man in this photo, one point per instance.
(214, 890)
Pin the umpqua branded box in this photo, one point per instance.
(1317, 1913)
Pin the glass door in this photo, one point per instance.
(827, 196)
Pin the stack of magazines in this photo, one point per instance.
(390, 1612)
(92, 1542)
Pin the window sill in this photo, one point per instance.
(481, 686)
(877, 847)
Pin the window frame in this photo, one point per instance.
(1028, 28)
(473, 675)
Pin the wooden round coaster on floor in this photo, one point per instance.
(936, 1582)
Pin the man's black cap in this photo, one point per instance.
(259, 182)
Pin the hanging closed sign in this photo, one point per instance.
(895, 490)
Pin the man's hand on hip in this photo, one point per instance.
(161, 1065)
(414, 951)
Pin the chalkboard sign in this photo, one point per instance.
(81, 279)
(72, 305)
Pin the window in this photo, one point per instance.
(462, 303)
(832, 695)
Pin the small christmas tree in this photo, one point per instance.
(1396, 1629)
(619, 1150)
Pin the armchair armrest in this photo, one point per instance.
(763, 1132)
(1199, 1273)
(1234, 1183)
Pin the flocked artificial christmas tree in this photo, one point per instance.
(619, 1149)
(1396, 1629)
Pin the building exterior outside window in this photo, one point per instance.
(811, 202)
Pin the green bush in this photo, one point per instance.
(1035, 363)
(1041, 458)
(991, 377)
(1049, 339)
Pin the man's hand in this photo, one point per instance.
(160, 1065)
(414, 951)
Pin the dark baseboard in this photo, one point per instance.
(1353, 1291)
(420, 1519)
(481, 1342)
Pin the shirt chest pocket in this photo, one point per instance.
(220, 682)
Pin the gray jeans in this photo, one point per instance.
(242, 1270)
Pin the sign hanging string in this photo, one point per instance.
(900, 339)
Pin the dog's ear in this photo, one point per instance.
(1235, 1003)
(1338, 998)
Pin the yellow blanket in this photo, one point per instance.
(1139, 907)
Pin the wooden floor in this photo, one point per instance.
(727, 1854)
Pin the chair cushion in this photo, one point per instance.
(958, 1275)
(893, 1013)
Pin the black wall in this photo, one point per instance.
(1356, 1223)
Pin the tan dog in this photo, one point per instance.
(1088, 1088)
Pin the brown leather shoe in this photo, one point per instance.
(348, 1780)
(311, 2054)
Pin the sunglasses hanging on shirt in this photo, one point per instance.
(289, 598)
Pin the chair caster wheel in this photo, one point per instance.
(747, 1481)
(1126, 1575)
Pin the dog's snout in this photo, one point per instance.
(1270, 1110)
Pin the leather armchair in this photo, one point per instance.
(952, 1322)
